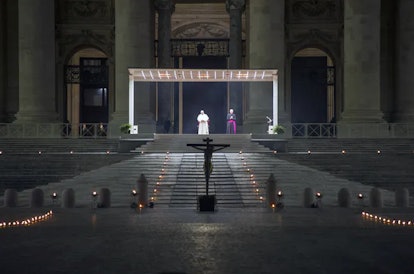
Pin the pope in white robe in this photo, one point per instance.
(203, 120)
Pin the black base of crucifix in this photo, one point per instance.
(206, 202)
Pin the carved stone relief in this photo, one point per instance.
(314, 10)
(199, 30)
(85, 10)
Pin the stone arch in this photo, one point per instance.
(72, 88)
(300, 48)
(76, 49)
(329, 103)
(328, 41)
(69, 43)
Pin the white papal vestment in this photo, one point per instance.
(202, 119)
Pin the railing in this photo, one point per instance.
(54, 130)
(296, 130)
(351, 130)
(314, 130)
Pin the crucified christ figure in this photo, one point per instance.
(208, 155)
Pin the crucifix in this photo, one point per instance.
(208, 155)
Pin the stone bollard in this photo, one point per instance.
(271, 191)
(10, 198)
(142, 186)
(402, 197)
(344, 197)
(37, 198)
(375, 198)
(308, 197)
(68, 198)
(104, 198)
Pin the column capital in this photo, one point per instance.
(164, 5)
(235, 5)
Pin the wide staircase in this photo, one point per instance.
(385, 163)
(178, 143)
(175, 171)
(57, 145)
(29, 162)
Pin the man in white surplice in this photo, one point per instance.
(203, 120)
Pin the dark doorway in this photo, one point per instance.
(93, 90)
(208, 96)
(309, 90)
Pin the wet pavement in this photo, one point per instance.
(230, 240)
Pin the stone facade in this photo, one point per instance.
(369, 44)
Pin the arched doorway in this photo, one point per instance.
(312, 87)
(87, 92)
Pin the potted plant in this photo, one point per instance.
(125, 128)
(278, 129)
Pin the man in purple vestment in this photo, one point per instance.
(231, 122)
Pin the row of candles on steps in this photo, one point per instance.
(252, 178)
(28, 221)
(160, 177)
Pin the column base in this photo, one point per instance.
(403, 118)
(145, 122)
(363, 130)
(117, 119)
(256, 121)
(5, 118)
(36, 117)
(362, 116)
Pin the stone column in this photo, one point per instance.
(37, 83)
(362, 92)
(265, 49)
(387, 78)
(405, 62)
(165, 90)
(12, 61)
(235, 8)
(134, 48)
(2, 60)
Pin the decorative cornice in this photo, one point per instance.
(314, 8)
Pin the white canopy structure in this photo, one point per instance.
(201, 75)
